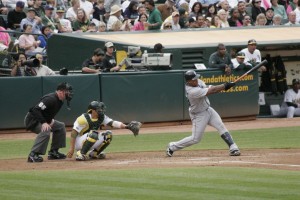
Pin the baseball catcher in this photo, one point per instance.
(87, 138)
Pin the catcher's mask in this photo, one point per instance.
(99, 107)
(68, 92)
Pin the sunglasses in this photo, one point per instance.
(168, 26)
(258, 2)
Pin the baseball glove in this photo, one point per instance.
(134, 126)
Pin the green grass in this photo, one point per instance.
(190, 183)
(151, 184)
(260, 138)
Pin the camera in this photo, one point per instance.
(31, 63)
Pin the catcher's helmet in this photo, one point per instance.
(191, 75)
(96, 105)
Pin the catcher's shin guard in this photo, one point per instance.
(89, 142)
(107, 140)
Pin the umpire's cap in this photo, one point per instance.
(95, 105)
(191, 75)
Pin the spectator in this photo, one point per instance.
(72, 11)
(290, 106)
(220, 59)
(87, 7)
(141, 10)
(277, 20)
(192, 23)
(109, 60)
(46, 34)
(33, 20)
(15, 16)
(292, 6)
(196, 10)
(247, 20)
(253, 55)
(154, 19)
(115, 18)
(108, 4)
(233, 21)
(4, 39)
(166, 9)
(225, 6)
(99, 11)
(131, 12)
(215, 22)
(42, 70)
(92, 28)
(211, 10)
(269, 16)
(242, 10)
(292, 19)
(18, 69)
(183, 19)
(166, 26)
(261, 20)
(223, 18)
(297, 11)
(257, 9)
(94, 64)
(48, 20)
(66, 25)
(140, 26)
(81, 23)
(239, 63)
(28, 42)
(102, 27)
(205, 3)
(37, 5)
(174, 20)
(158, 48)
(279, 9)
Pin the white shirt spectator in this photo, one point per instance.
(87, 7)
(12, 3)
(297, 11)
(254, 57)
(71, 14)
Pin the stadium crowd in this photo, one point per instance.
(38, 20)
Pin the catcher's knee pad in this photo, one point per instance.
(92, 137)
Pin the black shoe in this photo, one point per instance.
(34, 157)
(54, 154)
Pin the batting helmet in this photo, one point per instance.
(96, 105)
(191, 75)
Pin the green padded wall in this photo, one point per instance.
(86, 89)
(17, 95)
(147, 97)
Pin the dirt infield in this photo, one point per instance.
(260, 158)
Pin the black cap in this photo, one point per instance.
(191, 75)
(64, 86)
(295, 81)
(270, 9)
(158, 47)
(95, 105)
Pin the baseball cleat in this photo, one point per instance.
(54, 154)
(235, 153)
(94, 155)
(80, 156)
(33, 157)
(169, 152)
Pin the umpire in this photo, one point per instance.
(40, 120)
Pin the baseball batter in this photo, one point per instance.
(86, 137)
(202, 114)
(291, 103)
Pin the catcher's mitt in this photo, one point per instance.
(134, 126)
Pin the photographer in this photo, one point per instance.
(39, 68)
(19, 67)
(93, 65)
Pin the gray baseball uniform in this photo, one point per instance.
(202, 115)
(290, 111)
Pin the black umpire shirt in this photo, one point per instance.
(47, 108)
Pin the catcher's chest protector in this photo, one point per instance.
(93, 125)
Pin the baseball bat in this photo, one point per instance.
(264, 62)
